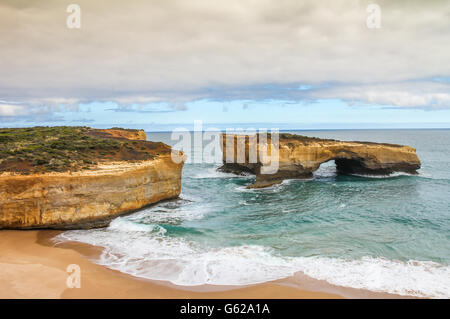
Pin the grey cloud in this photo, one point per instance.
(132, 110)
(413, 94)
(179, 51)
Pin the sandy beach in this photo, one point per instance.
(32, 267)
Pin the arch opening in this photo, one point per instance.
(326, 170)
(347, 166)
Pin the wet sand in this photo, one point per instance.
(31, 266)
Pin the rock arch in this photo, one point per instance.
(299, 156)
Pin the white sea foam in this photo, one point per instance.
(414, 278)
(171, 212)
(127, 225)
(275, 188)
(392, 175)
(325, 171)
(150, 254)
(212, 172)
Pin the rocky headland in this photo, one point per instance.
(299, 156)
(79, 177)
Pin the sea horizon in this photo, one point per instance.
(308, 130)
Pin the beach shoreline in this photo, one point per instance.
(33, 266)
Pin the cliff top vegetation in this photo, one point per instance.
(68, 148)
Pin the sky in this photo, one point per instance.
(289, 64)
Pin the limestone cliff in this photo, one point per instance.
(121, 133)
(90, 197)
(299, 156)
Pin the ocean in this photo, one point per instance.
(385, 234)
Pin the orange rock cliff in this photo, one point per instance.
(299, 156)
(92, 197)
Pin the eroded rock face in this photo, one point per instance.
(90, 198)
(86, 199)
(300, 156)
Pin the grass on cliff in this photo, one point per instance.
(308, 139)
(285, 137)
(66, 148)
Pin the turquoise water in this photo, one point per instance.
(388, 234)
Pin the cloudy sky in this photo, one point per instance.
(301, 64)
